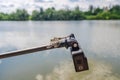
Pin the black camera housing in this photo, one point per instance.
(80, 61)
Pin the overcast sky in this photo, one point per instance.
(12, 5)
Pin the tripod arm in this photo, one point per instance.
(79, 59)
(22, 52)
(56, 43)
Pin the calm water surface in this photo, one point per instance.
(100, 41)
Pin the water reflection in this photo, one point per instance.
(100, 41)
(65, 71)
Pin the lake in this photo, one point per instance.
(99, 39)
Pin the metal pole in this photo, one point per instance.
(79, 59)
(26, 51)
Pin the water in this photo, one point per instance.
(100, 41)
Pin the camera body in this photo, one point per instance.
(79, 59)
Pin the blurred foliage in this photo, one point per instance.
(106, 13)
(19, 15)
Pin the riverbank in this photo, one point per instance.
(50, 14)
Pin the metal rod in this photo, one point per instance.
(26, 51)
(55, 44)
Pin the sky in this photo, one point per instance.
(30, 5)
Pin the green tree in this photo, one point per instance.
(4, 16)
(35, 15)
(49, 14)
(64, 14)
(19, 15)
(104, 15)
(77, 14)
(97, 10)
(90, 11)
(115, 9)
(41, 17)
(1, 16)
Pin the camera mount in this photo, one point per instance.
(79, 59)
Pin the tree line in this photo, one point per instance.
(93, 13)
